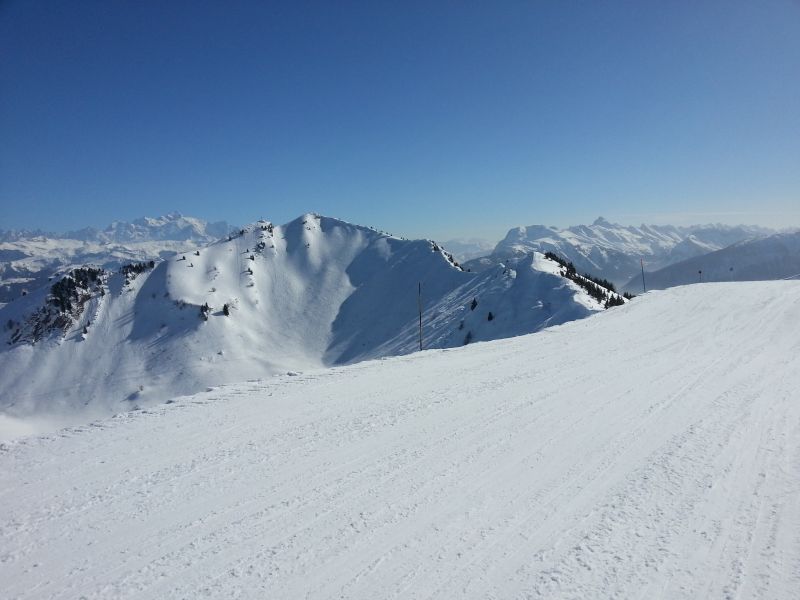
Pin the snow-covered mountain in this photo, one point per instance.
(28, 259)
(614, 251)
(173, 226)
(772, 257)
(312, 293)
(14, 235)
(651, 451)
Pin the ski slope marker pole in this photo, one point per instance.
(419, 306)
(644, 289)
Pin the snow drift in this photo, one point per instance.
(652, 450)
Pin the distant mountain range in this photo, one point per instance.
(614, 251)
(28, 259)
(772, 257)
(173, 227)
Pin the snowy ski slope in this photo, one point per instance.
(650, 451)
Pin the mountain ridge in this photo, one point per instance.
(314, 292)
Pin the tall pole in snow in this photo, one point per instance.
(644, 289)
(419, 307)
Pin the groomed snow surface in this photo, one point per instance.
(652, 450)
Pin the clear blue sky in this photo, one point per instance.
(432, 119)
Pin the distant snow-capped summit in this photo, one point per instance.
(29, 258)
(172, 226)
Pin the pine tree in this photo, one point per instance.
(204, 310)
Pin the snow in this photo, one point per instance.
(652, 450)
(28, 259)
(312, 293)
(613, 251)
(772, 257)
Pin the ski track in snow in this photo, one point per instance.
(652, 451)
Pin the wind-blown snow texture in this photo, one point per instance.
(313, 293)
(649, 451)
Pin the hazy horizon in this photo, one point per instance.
(489, 235)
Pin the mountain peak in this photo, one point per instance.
(602, 221)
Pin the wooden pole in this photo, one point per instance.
(419, 307)
(641, 261)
